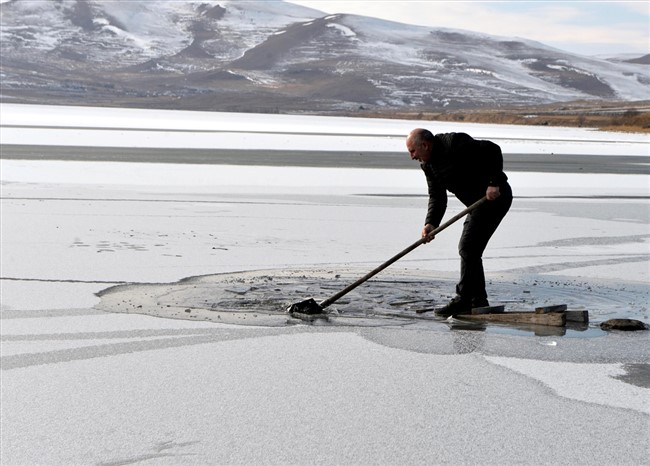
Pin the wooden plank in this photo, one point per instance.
(577, 316)
(488, 310)
(553, 308)
(553, 319)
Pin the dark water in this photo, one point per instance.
(262, 298)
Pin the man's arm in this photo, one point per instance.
(437, 203)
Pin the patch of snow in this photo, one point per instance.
(346, 31)
(569, 68)
(137, 41)
(480, 71)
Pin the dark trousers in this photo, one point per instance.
(478, 228)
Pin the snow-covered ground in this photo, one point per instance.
(85, 386)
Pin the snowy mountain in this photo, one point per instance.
(272, 55)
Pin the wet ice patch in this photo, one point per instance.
(263, 297)
(397, 298)
(591, 383)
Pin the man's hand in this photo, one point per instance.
(428, 228)
(492, 193)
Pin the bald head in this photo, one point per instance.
(420, 134)
(419, 144)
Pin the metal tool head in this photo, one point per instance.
(308, 306)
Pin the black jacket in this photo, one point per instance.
(461, 165)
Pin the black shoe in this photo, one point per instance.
(455, 307)
(480, 302)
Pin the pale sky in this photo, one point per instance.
(582, 26)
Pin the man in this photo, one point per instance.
(470, 169)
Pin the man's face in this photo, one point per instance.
(418, 150)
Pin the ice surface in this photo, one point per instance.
(84, 386)
(602, 381)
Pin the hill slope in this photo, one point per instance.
(274, 56)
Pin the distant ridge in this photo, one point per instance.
(275, 56)
(644, 60)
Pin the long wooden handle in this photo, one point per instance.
(401, 254)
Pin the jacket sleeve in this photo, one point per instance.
(437, 199)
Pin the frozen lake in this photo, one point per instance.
(86, 206)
